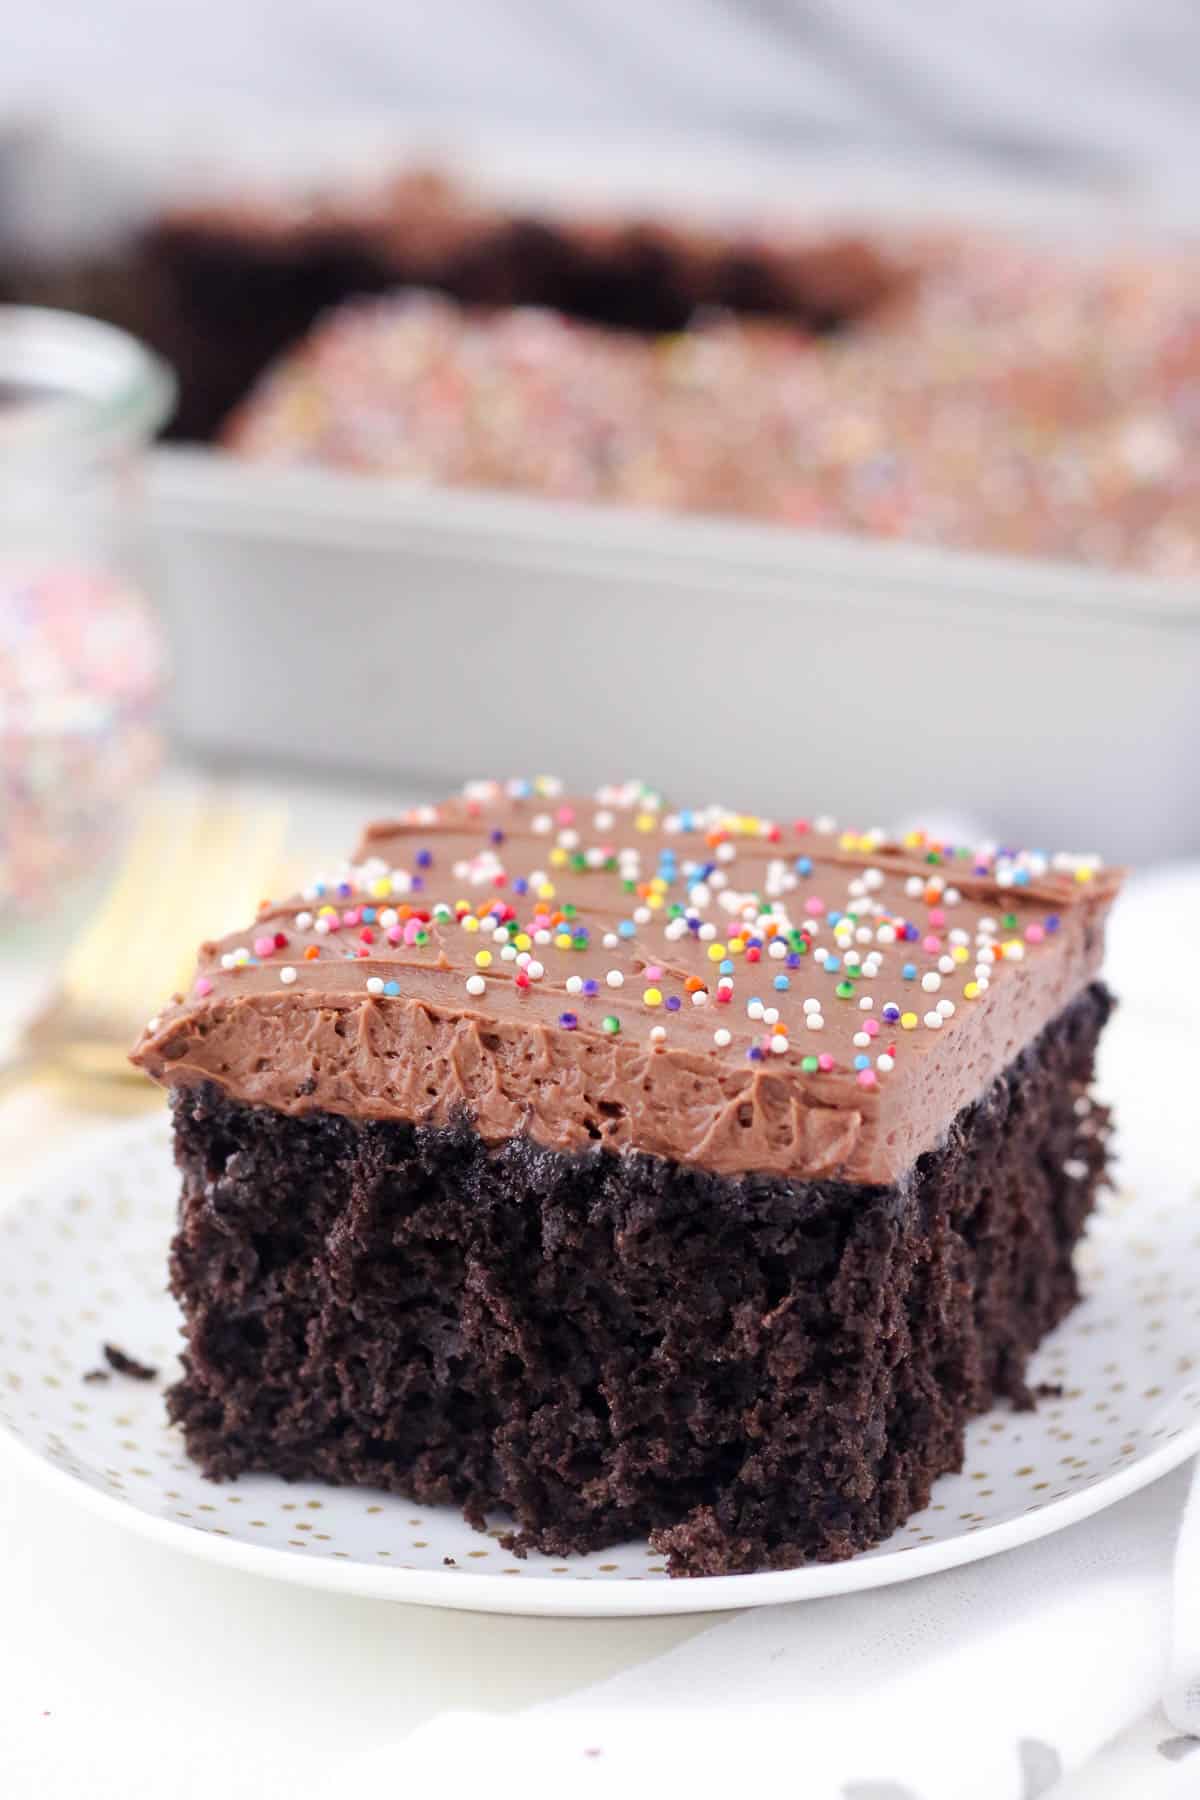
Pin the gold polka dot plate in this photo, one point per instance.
(82, 1261)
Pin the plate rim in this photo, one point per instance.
(573, 1597)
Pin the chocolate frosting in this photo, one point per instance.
(643, 979)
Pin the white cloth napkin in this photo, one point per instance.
(988, 1682)
(1182, 1698)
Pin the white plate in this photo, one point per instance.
(82, 1259)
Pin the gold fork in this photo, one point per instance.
(198, 864)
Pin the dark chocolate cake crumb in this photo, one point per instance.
(754, 1371)
(97, 1375)
(124, 1364)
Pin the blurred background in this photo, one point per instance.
(794, 404)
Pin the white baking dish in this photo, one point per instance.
(426, 636)
(340, 619)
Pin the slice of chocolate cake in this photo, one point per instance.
(627, 1170)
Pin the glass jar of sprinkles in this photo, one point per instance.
(81, 663)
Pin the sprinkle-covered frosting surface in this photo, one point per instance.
(1021, 399)
(704, 985)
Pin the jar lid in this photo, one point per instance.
(70, 384)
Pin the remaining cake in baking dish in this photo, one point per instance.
(232, 283)
(1016, 400)
(627, 1170)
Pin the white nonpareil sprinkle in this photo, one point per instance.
(778, 1045)
(374, 984)
(754, 1009)
(657, 1033)
(946, 1008)
(699, 998)
(287, 975)
(722, 1038)
(303, 921)
(814, 1021)
(861, 1041)
(574, 984)
(534, 970)
(615, 978)
(885, 1063)
(476, 984)
(931, 981)
(933, 1020)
